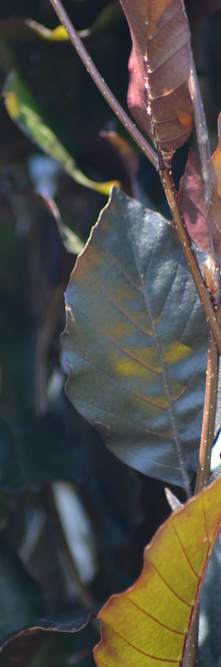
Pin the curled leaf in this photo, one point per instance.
(159, 66)
(25, 112)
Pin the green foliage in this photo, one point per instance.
(75, 515)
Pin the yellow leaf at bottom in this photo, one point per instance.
(149, 623)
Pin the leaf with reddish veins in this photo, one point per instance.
(159, 67)
(149, 623)
(192, 202)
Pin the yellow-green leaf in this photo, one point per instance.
(149, 623)
(24, 111)
(107, 17)
(59, 34)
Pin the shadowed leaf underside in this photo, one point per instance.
(136, 341)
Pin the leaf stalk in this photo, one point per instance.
(209, 415)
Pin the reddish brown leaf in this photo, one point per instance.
(214, 213)
(214, 222)
(159, 66)
(192, 202)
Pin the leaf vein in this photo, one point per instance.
(166, 582)
(183, 549)
(156, 620)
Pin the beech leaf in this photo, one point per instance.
(136, 342)
(214, 212)
(159, 66)
(24, 111)
(192, 202)
(149, 623)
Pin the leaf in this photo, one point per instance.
(136, 341)
(149, 623)
(192, 202)
(107, 17)
(59, 34)
(26, 646)
(24, 111)
(214, 223)
(71, 241)
(159, 66)
(214, 212)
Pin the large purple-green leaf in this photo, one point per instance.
(136, 340)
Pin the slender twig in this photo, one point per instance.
(191, 649)
(171, 194)
(207, 437)
(121, 114)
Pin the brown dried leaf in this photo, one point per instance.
(159, 66)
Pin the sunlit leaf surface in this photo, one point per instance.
(159, 66)
(148, 624)
(136, 341)
(24, 111)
